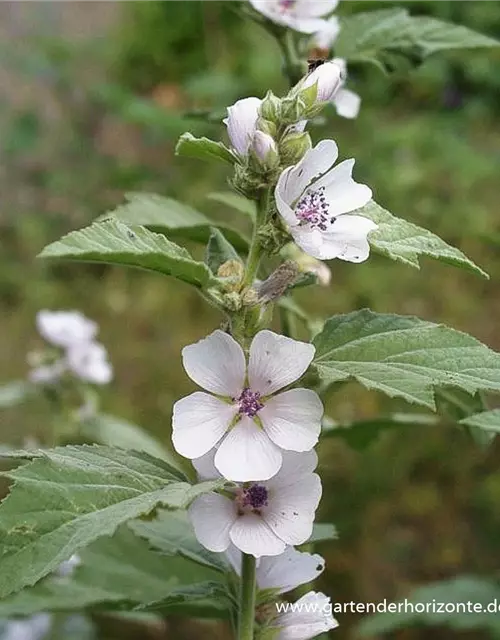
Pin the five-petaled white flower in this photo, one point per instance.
(261, 518)
(282, 573)
(305, 16)
(250, 426)
(306, 618)
(313, 197)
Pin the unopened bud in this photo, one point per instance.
(327, 78)
(265, 149)
(270, 109)
(293, 147)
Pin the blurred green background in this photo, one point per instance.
(90, 107)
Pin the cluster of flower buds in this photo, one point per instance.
(75, 350)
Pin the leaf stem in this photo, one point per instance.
(247, 598)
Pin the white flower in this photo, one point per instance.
(313, 197)
(346, 102)
(284, 572)
(305, 16)
(250, 425)
(241, 123)
(306, 618)
(34, 628)
(89, 361)
(47, 373)
(261, 518)
(328, 77)
(65, 328)
(326, 36)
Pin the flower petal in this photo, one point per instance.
(315, 8)
(251, 535)
(348, 240)
(282, 201)
(65, 328)
(199, 421)
(325, 37)
(347, 103)
(315, 163)
(292, 419)
(289, 570)
(213, 516)
(241, 123)
(247, 453)
(276, 361)
(342, 193)
(216, 363)
(295, 467)
(290, 511)
(309, 240)
(310, 616)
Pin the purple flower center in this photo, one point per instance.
(286, 5)
(312, 209)
(254, 497)
(249, 402)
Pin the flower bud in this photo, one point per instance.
(241, 123)
(327, 78)
(271, 108)
(265, 148)
(293, 147)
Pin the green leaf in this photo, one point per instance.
(118, 571)
(116, 432)
(14, 393)
(403, 356)
(219, 251)
(361, 434)
(458, 591)
(203, 149)
(69, 496)
(323, 532)
(172, 533)
(405, 242)
(381, 36)
(113, 242)
(235, 201)
(456, 405)
(487, 421)
(175, 219)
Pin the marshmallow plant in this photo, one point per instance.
(228, 511)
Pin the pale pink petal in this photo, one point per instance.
(247, 453)
(216, 363)
(205, 467)
(282, 203)
(251, 535)
(277, 361)
(327, 77)
(347, 103)
(292, 419)
(241, 123)
(348, 239)
(315, 163)
(213, 516)
(290, 512)
(342, 193)
(325, 38)
(199, 421)
(295, 467)
(309, 240)
(315, 8)
(289, 570)
(311, 616)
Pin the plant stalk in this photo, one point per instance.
(255, 252)
(247, 598)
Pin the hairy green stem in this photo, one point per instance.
(255, 252)
(247, 598)
(292, 66)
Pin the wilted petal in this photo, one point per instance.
(199, 422)
(312, 615)
(347, 103)
(216, 363)
(247, 453)
(241, 123)
(251, 535)
(292, 419)
(213, 516)
(289, 570)
(277, 361)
